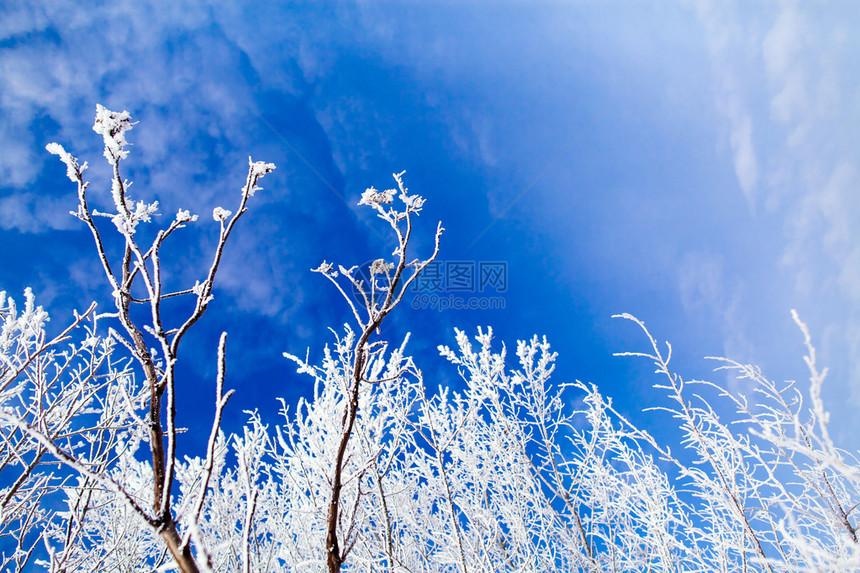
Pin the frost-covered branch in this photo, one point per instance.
(776, 494)
(144, 266)
(58, 403)
(378, 470)
(387, 284)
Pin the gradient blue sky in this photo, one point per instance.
(692, 163)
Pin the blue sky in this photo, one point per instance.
(692, 163)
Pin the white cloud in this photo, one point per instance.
(31, 213)
(181, 71)
(729, 51)
(743, 154)
(22, 18)
(787, 85)
(782, 45)
(782, 49)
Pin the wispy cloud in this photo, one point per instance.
(35, 213)
(490, 97)
(744, 156)
(795, 141)
(728, 48)
(189, 74)
(782, 49)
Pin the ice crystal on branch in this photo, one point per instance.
(260, 168)
(325, 268)
(112, 125)
(256, 171)
(185, 216)
(372, 197)
(73, 171)
(220, 214)
(380, 266)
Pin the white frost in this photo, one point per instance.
(260, 168)
(221, 214)
(379, 266)
(372, 197)
(184, 216)
(325, 268)
(72, 168)
(112, 125)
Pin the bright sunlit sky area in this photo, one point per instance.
(692, 163)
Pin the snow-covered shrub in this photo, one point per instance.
(380, 470)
